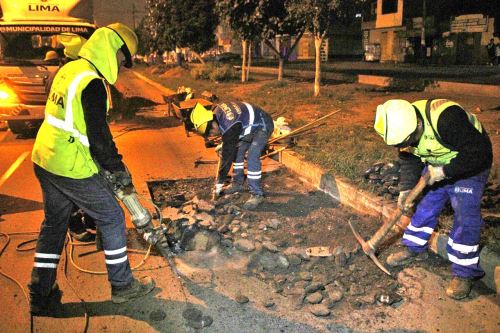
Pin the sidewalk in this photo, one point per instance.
(367, 203)
(478, 74)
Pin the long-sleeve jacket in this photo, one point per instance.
(455, 129)
(236, 122)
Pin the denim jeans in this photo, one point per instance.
(252, 145)
(60, 195)
(463, 242)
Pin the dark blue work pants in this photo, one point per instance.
(252, 145)
(60, 195)
(463, 243)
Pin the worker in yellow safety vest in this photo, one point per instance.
(439, 137)
(74, 146)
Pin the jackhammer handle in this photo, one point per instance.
(414, 193)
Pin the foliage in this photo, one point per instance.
(213, 73)
(242, 16)
(188, 23)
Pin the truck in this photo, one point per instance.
(29, 31)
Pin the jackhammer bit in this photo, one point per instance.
(370, 246)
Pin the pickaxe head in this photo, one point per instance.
(368, 249)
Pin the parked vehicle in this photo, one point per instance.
(28, 31)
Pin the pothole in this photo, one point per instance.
(270, 243)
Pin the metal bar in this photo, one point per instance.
(303, 127)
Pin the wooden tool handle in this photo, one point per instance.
(414, 193)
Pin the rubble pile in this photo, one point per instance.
(385, 177)
(276, 249)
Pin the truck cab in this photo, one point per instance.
(30, 51)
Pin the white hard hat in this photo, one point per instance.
(395, 120)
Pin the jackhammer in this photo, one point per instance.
(141, 217)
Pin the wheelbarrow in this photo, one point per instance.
(182, 110)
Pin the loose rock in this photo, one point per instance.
(241, 299)
(306, 276)
(314, 298)
(244, 245)
(334, 293)
(157, 315)
(320, 310)
(274, 223)
(205, 206)
(294, 260)
(283, 261)
(270, 247)
(313, 287)
(268, 262)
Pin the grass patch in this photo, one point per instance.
(346, 151)
(214, 73)
(186, 80)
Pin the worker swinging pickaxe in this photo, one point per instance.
(370, 246)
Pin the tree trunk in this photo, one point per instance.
(318, 39)
(244, 62)
(280, 68)
(249, 62)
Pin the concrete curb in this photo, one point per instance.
(470, 89)
(157, 85)
(367, 203)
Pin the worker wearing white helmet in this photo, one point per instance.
(440, 137)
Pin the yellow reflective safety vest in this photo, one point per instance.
(62, 145)
(430, 148)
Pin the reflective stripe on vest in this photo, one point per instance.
(67, 124)
(251, 119)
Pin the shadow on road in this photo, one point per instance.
(11, 205)
(167, 316)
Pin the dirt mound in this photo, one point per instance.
(175, 72)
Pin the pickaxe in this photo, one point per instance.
(370, 246)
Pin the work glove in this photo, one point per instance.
(218, 149)
(218, 190)
(403, 195)
(436, 174)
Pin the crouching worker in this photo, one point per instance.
(439, 137)
(245, 129)
(73, 145)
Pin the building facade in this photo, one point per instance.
(429, 32)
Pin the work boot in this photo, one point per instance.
(253, 202)
(234, 188)
(459, 288)
(135, 289)
(405, 256)
(42, 305)
(84, 237)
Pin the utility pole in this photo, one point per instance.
(422, 36)
(133, 15)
